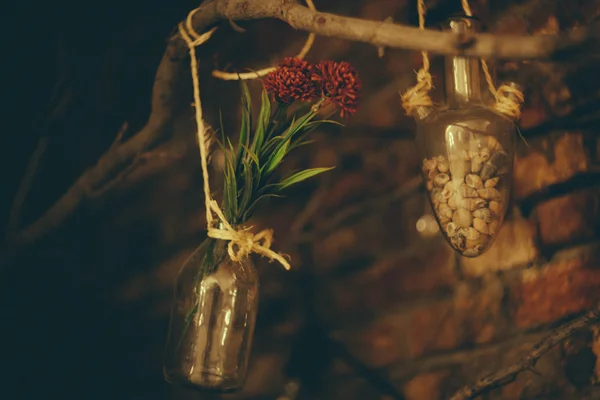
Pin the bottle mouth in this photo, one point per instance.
(446, 25)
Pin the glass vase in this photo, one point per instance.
(467, 151)
(212, 321)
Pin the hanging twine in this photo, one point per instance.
(418, 95)
(235, 76)
(508, 98)
(242, 242)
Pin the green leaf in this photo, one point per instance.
(263, 122)
(276, 157)
(246, 126)
(324, 121)
(301, 176)
(251, 155)
(247, 188)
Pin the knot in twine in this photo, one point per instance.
(418, 95)
(242, 242)
(508, 101)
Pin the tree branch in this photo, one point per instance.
(14, 218)
(377, 33)
(510, 373)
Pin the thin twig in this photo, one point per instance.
(390, 35)
(510, 373)
(14, 218)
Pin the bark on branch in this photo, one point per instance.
(377, 33)
(510, 373)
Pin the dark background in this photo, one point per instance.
(85, 309)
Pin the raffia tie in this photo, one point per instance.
(508, 99)
(418, 95)
(242, 242)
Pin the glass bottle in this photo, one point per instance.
(212, 320)
(467, 151)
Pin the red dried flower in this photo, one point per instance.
(291, 81)
(340, 84)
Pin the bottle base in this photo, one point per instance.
(205, 382)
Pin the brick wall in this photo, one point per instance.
(432, 321)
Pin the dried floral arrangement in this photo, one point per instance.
(294, 96)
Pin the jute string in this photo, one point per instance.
(418, 95)
(234, 76)
(242, 242)
(508, 99)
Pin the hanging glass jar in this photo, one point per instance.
(212, 320)
(467, 151)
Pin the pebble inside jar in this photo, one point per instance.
(467, 152)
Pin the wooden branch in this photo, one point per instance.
(14, 218)
(385, 34)
(376, 33)
(510, 373)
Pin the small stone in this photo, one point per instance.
(462, 218)
(429, 164)
(484, 214)
(468, 192)
(474, 204)
(452, 203)
(480, 242)
(443, 166)
(441, 179)
(480, 225)
(489, 194)
(458, 242)
(474, 181)
(445, 211)
(448, 190)
(451, 229)
(491, 183)
(497, 161)
(472, 252)
(471, 233)
(493, 144)
(495, 207)
(484, 155)
(476, 165)
(444, 220)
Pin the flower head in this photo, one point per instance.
(291, 81)
(339, 84)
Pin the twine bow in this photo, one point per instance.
(242, 241)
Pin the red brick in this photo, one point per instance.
(531, 117)
(397, 277)
(478, 311)
(568, 218)
(432, 329)
(555, 291)
(533, 171)
(426, 386)
(513, 247)
(473, 317)
(379, 343)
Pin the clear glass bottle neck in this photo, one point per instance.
(462, 74)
